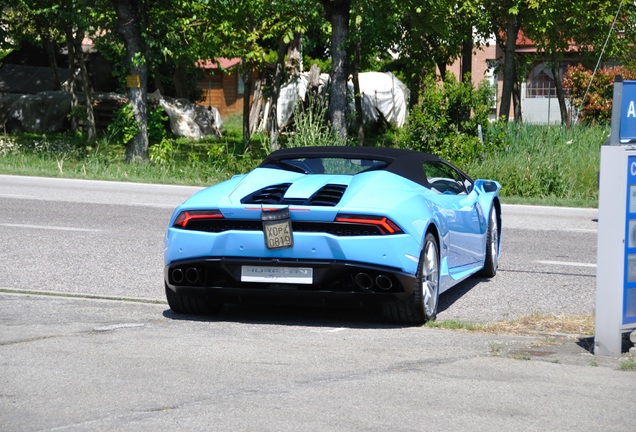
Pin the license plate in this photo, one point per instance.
(269, 274)
(277, 229)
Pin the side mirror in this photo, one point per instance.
(487, 186)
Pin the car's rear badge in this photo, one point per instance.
(277, 228)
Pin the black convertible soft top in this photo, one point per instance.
(403, 162)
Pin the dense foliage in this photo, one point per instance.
(162, 40)
(538, 164)
(452, 121)
(591, 93)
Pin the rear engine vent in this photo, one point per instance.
(328, 195)
(267, 195)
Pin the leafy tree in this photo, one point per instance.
(269, 26)
(154, 42)
(50, 24)
(547, 28)
(374, 29)
(507, 17)
(433, 34)
(550, 28)
(438, 125)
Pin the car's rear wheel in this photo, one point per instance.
(189, 304)
(491, 262)
(422, 306)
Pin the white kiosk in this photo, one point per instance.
(616, 255)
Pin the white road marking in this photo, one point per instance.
(17, 196)
(581, 230)
(335, 330)
(155, 205)
(566, 263)
(112, 327)
(53, 228)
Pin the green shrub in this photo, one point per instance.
(597, 106)
(311, 125)
(546, 162)
(448, 120)
(124, 126)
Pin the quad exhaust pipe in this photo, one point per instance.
(383, 282)
(366, 282)
(177, 275)
(191, 275)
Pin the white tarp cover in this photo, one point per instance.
(383, 94)
(188, 119)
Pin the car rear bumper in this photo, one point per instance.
(331, 281)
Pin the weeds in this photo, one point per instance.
(628, 365)
(455, 325)
(311, 125)
(535, 323)
(547, 162)
(535, 164)
(496, 348)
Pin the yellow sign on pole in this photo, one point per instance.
(133, 81)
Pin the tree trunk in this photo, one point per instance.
(50, 55)
(338, 15)
(414, 89)
(516, 101)
(555, 65)
(131, 20)
(357, 94)
(257, 104)
(467, 56)
(72, 76)
(274, 130)
(247, 93)
(512, 30)
(294, 62)
(89, 126)
(441, 65)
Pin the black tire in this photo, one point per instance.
(491, 262)
(422, 306)
(191, 305)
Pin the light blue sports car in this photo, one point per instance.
(334, 225)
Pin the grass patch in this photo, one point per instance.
(535, 323)
(455, 325)
(547, 165)
(545, 323)
(177, 161)
(628, 365)
(542, 165)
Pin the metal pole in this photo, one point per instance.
(617, 100)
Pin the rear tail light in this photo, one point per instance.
(383, 223)
(189, 215)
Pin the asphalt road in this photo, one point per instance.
(106, 238)
(128, 363)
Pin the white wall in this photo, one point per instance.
(539, 110)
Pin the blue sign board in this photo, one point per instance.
(629, 285)
(627, 131)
